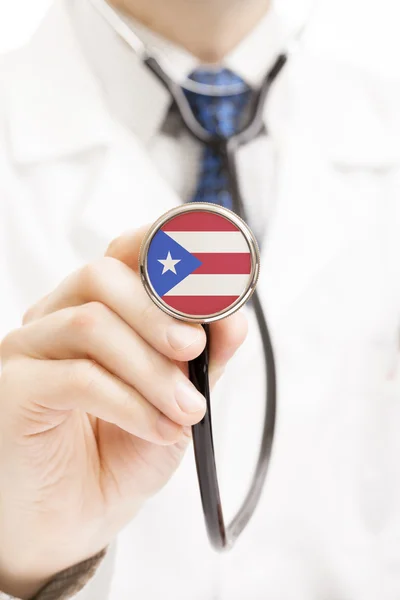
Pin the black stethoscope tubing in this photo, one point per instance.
(222, 536)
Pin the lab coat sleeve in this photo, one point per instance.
(69, 582)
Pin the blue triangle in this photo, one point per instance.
(160, 246)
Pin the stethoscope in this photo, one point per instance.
(222, 536)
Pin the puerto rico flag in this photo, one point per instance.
(199, 263)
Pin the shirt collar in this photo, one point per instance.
(135, 96)
(63, 93)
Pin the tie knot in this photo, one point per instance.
(219, 110)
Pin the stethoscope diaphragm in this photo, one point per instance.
(199, 262)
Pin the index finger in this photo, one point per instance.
(111, 281)
(227, 335)
(126, 247)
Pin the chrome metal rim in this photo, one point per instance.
(254, 254)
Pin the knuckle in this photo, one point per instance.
(108, 262)
(126, 247)
(129, 400)
(84, 376)
(113, 246)
(29, 315)
(85, 319)
(10, 343)
(90, 277)
(94, 277)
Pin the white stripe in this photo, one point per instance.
(210, 285)
(210, 241)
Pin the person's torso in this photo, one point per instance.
(328, 525)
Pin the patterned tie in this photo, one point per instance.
(219, 115)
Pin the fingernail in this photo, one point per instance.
(182, 336)
(168, 430)
(188, 398)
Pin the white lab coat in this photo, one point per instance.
(328, 526)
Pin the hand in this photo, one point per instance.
(95, 414)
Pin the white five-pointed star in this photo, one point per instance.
(169, 264)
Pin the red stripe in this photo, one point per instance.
(199, 305)
(199, 221)
(223, 264)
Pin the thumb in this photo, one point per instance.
(126, 247)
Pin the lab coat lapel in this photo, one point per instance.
(323, 138)
(124, 192)
(54, 105)
(57, 112)
(310, 225)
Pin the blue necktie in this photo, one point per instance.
(222, 116)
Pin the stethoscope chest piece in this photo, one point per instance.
(199, 262)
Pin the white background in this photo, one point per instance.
(366, 31)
